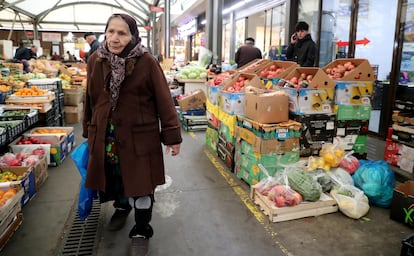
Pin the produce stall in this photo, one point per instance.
(32, 132)
(297, 137)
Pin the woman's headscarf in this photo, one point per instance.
(118, 62)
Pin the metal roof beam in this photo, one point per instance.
(142, 21)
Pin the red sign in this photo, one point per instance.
(147, 28)
(364, 41)
(154, 8)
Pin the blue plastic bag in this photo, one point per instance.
(80, 156)
(377, 181)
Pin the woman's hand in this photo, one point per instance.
(174, 149)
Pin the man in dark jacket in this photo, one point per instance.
(23, 53)
(93, 42)
(302, 49)
(247, 53)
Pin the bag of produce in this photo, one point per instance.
(351, 201)
(377, 181)
(349, 162)
(302, 182)
(323, 178)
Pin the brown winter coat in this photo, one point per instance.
(144, 118)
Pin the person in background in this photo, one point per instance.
(247, 53)
(23, 53)
(71, 57)
(93, 43)
(302, 49)
(126, 155)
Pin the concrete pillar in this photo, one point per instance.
(167, 27)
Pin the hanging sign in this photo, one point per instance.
(147, 28)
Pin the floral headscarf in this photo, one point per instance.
(118, 62)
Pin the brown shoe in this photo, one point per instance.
(139, 246)
(118, 219)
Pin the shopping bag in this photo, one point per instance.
(80, 156)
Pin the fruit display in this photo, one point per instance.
(30, 92)
(44, 130)
(240, 83)
(192, 72)
(31, 140)
(28, 157)
(301, 81)
(220, 78)
(271, 72)
(341, 70)
(6, 195)
(4, 88)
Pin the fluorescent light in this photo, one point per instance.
(203, 22)
(233, 7)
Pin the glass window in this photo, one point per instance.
(240, 33)
(226, 43)
(255, 29)
(375, 34)
(277, 39)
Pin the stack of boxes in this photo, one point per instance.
(353, 105)
(192, 111)
(50, 116)
(312, 107)
(73, 99)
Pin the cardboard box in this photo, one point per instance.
(196, 100)
(402, 201)
(253, 66)
(399, 155)
(318, 97)
(73, 96)
(212, 93)
(363, 70)
(281, 131)
(317, 129)
(267, 146)
(73, 114)
(353, 92)
(58, 132)
(233, 102)
(272, 107)
(27, 181)
(16, 148)
(40, 173)
(355, 112)
(288, 66)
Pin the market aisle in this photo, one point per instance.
(196, 213)
(202, 210)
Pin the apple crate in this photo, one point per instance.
(325, 205)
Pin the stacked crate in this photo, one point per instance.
(73, 108)
(353, 105)
(54, 115)
(192, 111)
(212, 138)
(272, 145)
(312, 106)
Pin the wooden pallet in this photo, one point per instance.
(326, 204)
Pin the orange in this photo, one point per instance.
(8, 195)
(2, 193)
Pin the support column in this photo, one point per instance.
(232, 35)
(167, 27)
(155, 49)
(214, 29)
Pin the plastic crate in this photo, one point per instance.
(49, 115)
(3, 136)
(407, 248)
(3, 96)
(14, 128)
(60, 101)
(50, 84)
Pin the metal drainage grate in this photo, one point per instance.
(82, 235)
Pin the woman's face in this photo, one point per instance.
(117, 35)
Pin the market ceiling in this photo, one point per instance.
(71, 15)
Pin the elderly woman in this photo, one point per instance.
(129, 114)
